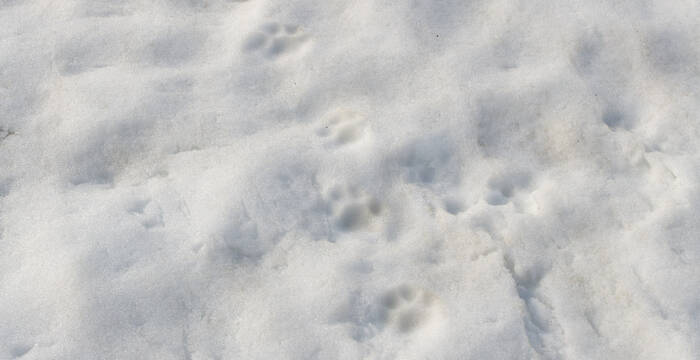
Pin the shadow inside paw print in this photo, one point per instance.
(504, 187)
(407, 308)
(351, 209)
(149, 214)
(274, 40)
(429, 161)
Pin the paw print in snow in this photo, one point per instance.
(504, 187)
(407, 308)
(149, 214)
(352, 210)
(343, 127)
(274, 40)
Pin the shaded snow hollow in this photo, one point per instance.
(213, 179)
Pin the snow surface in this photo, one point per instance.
(366, 179)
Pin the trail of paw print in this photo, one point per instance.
(351, 209)
(406, 308)
(274, 40)
(342, 127)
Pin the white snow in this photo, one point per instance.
(370, 179)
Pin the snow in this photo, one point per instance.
(218, 179)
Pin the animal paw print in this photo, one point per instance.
(503, 188)
(343, 127)
(407, 308)
(429, 161)
(274, 40)
(351, 209)
(149, 214)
